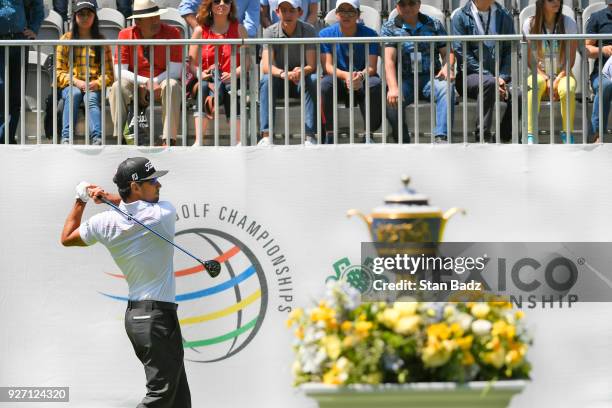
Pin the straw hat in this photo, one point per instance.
(146, 8)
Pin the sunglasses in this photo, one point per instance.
(226, 2)
(347, 13)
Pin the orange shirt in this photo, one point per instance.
(159, 64)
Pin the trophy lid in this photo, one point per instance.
(407, 195)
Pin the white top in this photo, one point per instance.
(552, 46)
(144, 259)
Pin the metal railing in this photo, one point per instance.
(248, 110)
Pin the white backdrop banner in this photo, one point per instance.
(277, 217)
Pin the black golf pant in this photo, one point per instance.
(155, 333)
(489, 87)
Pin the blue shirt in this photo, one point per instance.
(342, 50)
(600, 23)
(426, 26)
(248, 13)
(13, 17)
(273, 4)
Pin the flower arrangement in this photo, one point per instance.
(342, 341)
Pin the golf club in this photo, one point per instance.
(212, 267)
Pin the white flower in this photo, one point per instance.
(481, 327)
(464, 320)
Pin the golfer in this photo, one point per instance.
(151, 321)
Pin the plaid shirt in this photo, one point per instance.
(79, 61)
(427, 26)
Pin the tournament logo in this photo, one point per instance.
(220, 317)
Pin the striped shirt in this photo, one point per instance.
(79, 61)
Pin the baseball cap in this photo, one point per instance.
(85, 4)
(136, 169)
(294, 3)
(353, 3)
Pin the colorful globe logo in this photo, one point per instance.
(219, 317)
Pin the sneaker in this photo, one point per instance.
(369, 140)
(164, 143)
(564, 138)
(440, 140)
(530, 139)
(264, 141)
(310, 141)
(238, 144)
(96, 141)
(65, 141)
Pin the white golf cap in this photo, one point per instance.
(294, 3)
(353, 3)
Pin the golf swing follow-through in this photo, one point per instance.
(212, 267)
(145, 256)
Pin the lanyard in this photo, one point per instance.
(545, 31)
(486, 30)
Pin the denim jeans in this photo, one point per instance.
(607, 96)
(278, 87)
(95, 121)
(424, 92)
(14, 89)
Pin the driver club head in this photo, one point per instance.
(212, 267)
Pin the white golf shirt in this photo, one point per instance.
(144, 259)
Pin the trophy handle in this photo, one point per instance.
(366, 218)
(447, 215)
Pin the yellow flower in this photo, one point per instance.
(468, 359)
(407, 325)
(338, 373)
(389, 317)
(349, 341)
(495, 358)
(294, 317)
(439, 330)
(435, 355)
(405, 308)
(480, 310)
(299, 333)
(503, 329)
(449, 310)
(465, 343)
(332, 346)
(362, 329)
(519, 314)
(346, 326)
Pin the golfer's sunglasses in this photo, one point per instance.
(151, 181)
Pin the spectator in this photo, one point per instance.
(247, 14)
(485, 17)
(269, 15)
(290, 26)
(19, 20)
(347, 14)
(410, 21)
(84, 26)
(216, 21)
(147, 25)
(549, 19)
(600, 23)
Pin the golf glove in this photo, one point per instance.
(81, 191)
